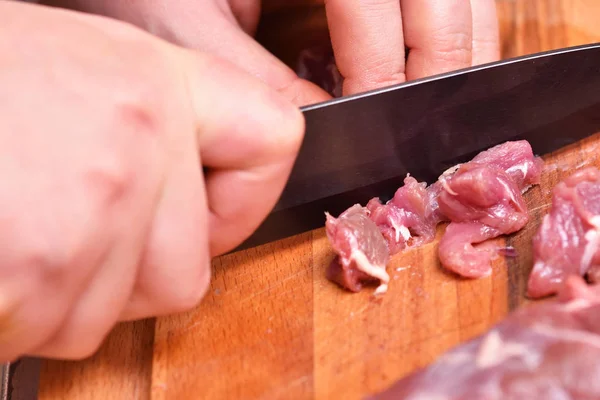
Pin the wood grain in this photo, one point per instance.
(272, 326)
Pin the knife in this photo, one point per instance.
(362, 146)
(19, 380)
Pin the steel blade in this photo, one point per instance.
(363, 146)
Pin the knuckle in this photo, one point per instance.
(136, 113)
(110, 179)
(50, 258)
(451, 44)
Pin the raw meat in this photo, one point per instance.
(568, 240)
(546, 351)
(362, 251)
(409, 219)
(458, 253)
(482, 199)
(516, 159)
(317, 65)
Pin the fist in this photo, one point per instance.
(119, 154)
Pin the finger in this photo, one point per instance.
(175, 270)
(368, 42)
(242, 50)
(97, 309)
(439, 36)
(211, 28)
(486, 35)
(244, 129)
(249, 136)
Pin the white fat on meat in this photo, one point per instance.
(524, 168)
(429, 396)
(575, 305)
(508, 191)
(450, 171)
(446, 187)
(566, 334)
(376, 271)
(494, 351)
(592, 237)
(400, 230)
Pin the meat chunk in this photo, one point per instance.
(410, 218)
(483, 199)
(362, 253)
(568, 240)
(543, 351)
(458, 253)
(516, 159)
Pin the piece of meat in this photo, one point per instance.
(484, 196)
(543, 351)
(410, 218)
(482, 199)
(516, 159)
(568, 240)
(458, 253)
(391, 222)
(362, 253)
(419, 201)
(317, 65)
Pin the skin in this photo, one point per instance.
(368, 37)
(106, 213)
(121, 146)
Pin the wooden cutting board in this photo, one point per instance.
(272, 326)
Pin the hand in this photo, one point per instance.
(369, 38)
(220, 27)
(105, 212)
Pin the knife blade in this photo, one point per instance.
(362, 146)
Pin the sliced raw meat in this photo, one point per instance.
(362, 253)
(485, 197)
(516, 159)
(317, 65)
(483, 194)
(392, 223)
(482, 199)
(543, 351)
(410, 218)
(457, 251)
(568, 240)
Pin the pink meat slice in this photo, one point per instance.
(458, 253)
(483, 201)
(410, 218)
(543, 351)
(516, 159)
(362, 253)
(568, 240)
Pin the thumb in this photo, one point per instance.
(248, 136)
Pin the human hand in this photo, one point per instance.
(223, 28)
(106, 213)
(369, 38)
